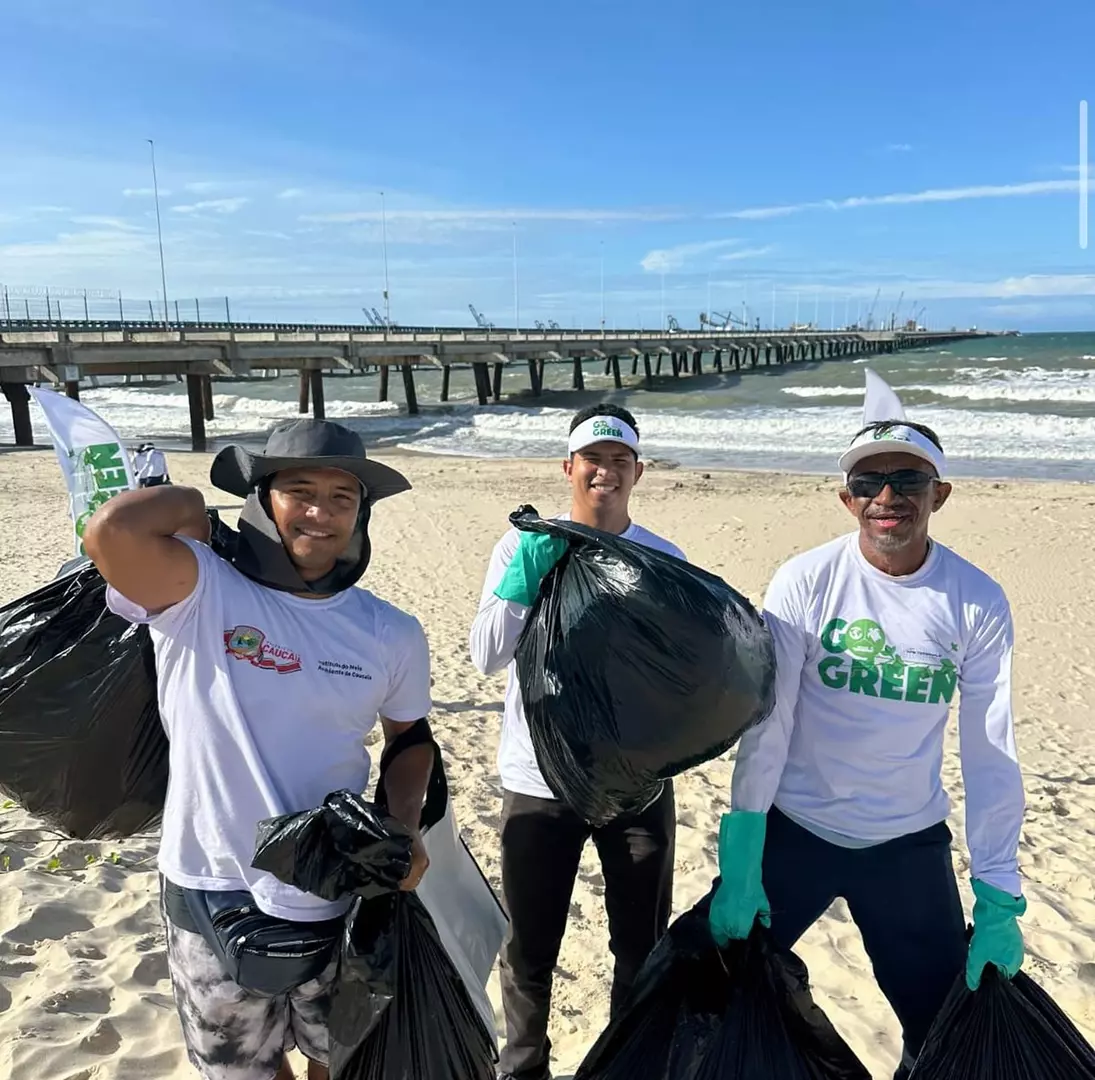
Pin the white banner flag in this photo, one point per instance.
(94, 461)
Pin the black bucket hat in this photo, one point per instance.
(305, 444)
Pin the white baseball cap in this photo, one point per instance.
(603, 429)
(897, 438)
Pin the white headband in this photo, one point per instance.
(603, 429)
(899, 439)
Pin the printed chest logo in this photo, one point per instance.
(862, 661)
(250, 644)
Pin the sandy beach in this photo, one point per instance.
(84, 993)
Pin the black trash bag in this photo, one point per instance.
(633, 667)
(342, 847)
(1004, 1030)
(698, 1012)
(399, 1007)
(400, 1010)
(82, 745)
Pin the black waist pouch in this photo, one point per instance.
(261, 953)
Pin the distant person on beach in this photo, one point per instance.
(543, 838)
(270, 677)
(150, 466)
(839, 793)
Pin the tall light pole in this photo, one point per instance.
(159, 229)
(384, 236)
(516, 294)
(602, 288)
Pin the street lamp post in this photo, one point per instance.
(159, 229)
(384, 238)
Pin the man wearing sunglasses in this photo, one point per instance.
(839, 792)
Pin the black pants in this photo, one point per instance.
(542, 842)
(902, 896)
(151, 481)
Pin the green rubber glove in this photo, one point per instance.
(997, 938)
(740, 896)
(536, 554)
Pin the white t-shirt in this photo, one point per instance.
(267, 698)
(867, 668)
(493, 643)
(149, 464)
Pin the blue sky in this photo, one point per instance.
(817, 151)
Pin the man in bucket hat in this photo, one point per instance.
(272, 669)
(839, 792)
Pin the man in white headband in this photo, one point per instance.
(839, 793)
(543, 838)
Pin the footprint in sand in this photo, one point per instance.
(86, 999)
(48, 922)
(103, 1040)
(151, 969)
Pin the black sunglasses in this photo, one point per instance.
(868, 485)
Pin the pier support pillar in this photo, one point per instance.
(446, 373)
(496, 388)
(646, 371)
(197, 413)
(482, 382)
(302, 393)
(207, 397)
(72, 389)
(615, 362)
(635, 364)
(658, 369)
(409, 390)
(579, 375)
(383, 393)
(534, 378)
(718, 360)
(677, 359)
(19, 398)
(315, 378)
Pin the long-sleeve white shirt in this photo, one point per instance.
(867, 666)
(493, 644)
(149, 464)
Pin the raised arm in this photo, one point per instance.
(131, 539)
(498, 623)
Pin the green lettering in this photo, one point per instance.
(111, 478)
(832, 672)
(104, 456)
(832, 638)
(890, 687)
(863, 679)
(944, 681)
(916, 685)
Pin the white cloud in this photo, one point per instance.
(746, 253)
(202, 187)
(99, 221)
(216, 206)
(461, 217)
(899, 148)
(291, 193)
(1020, 286)
(144, 192)
(662, 260)
(983, 191)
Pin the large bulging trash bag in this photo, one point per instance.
(633, 667)
(82, 745)
(400, 1009)
(698, 1012)
(1004, 1030)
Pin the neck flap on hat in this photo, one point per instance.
(261, 556)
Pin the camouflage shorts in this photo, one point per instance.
(232, 1033)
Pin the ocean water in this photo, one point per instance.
(1004, 407)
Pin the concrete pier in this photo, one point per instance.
(67, 355)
